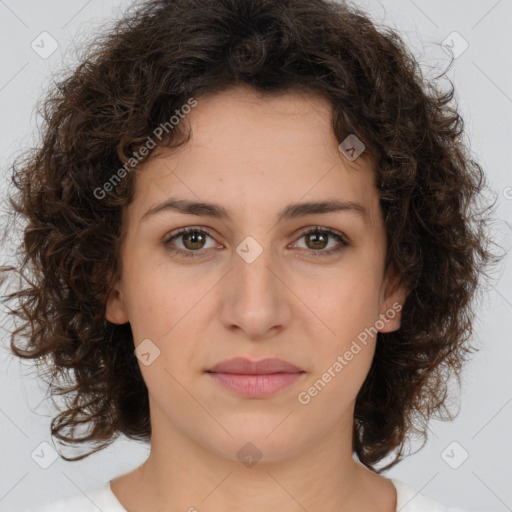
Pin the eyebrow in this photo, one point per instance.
(291, 211)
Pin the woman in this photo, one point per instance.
(250, 246)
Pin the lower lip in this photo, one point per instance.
(256, 386)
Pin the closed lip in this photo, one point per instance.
(244, 366)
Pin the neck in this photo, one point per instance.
(181, 473)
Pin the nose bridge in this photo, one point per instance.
(256, 298)
(254, 264)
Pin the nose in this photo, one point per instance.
(255, 297)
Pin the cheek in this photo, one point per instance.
(157, 295)
(151, 311)
(344, 354)
(348, 306)
(348, 301)
(164, 306)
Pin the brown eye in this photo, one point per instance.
(194, 240)
(317, 239)
(191, 242)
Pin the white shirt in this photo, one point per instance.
(102, 498)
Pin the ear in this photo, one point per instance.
(116, 308)
(392, 299)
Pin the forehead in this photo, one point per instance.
(240, 117)
(250, 149)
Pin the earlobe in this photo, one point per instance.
(115, 307)
(391, 318)
(392, 303)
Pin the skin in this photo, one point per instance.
(254, 155)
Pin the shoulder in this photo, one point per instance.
(410, 500)
(100, 498)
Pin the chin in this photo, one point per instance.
(261, 442)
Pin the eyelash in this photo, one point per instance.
(203, 231)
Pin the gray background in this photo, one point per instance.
(483, 79)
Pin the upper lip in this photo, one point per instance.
(241, 365)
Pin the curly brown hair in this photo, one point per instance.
(132, 79)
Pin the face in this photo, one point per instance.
(252, 278)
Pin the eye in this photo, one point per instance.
(192, 240)
(317, 239)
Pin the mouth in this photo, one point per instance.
(255, 379)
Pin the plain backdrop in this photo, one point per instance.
(465, 463)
